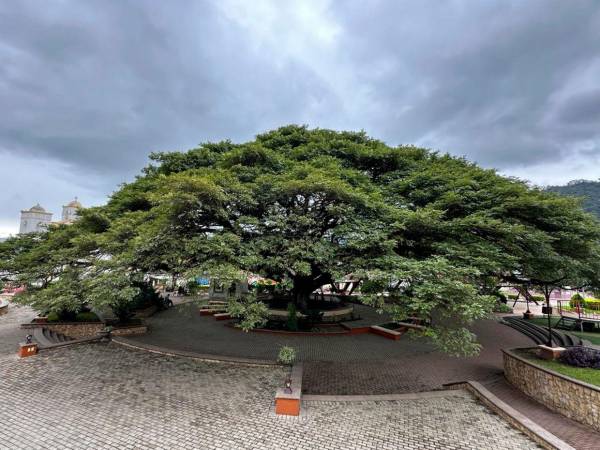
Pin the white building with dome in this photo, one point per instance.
(69, 211)
(36, 218)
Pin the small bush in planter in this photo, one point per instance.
(581, 357)
(86, 316)
(287, 355)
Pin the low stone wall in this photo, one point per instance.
(3, 306)
(75, 330)
(128, 331)
(572, 398)
(331, 316)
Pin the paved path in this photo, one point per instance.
(103, 396)
(573, 433)
(106, 396)
(10, 333)
(347, 364)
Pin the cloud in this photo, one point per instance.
(90, 88)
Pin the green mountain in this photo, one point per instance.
(589, 190)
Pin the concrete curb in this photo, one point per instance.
(383, 397)
(517, 420)
(199, 356)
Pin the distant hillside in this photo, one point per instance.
(590, 190)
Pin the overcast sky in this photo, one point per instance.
(89, 88)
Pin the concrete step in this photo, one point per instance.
(211, 312)
(222, 316)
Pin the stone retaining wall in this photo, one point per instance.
(572, 398)
(78, 330)
(75, 330)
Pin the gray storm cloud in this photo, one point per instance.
(89, 88)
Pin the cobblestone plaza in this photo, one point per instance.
(103, 396)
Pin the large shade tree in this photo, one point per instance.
(428, 235)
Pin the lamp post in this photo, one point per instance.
(548, 310)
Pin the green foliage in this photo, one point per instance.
(428, 235)
(287, 355)
(292, 317)
(87, 316)
(576, 298)
(513, 296)
(251, 312)
(588, 191)
(113, 288)
(500, 307)
(587, 375)
(53, 317)
(592, 303)
(538, 298)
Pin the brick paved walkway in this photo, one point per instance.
(106, 396)
(573, 433)
(10, 333)
(103, 396)
(349, 364)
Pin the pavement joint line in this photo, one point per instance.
(383, 397)
(192, 355)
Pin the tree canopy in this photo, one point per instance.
(428, 235)
(587, 190)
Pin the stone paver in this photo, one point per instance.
(349, 364)
(10, 333)
(105, 396)
(573, 433)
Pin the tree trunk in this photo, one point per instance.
(302, 290)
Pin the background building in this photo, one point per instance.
(69, 211)
(34, 219)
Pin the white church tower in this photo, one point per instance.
(34, 219)
(69, 211)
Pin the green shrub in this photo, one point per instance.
(592, 303)
(292, 318)
(287, 355)
(500, 307)
(250, 312)
(53, 317)
(86, 317)
(576, 300)
(538, 298)
(513, 296)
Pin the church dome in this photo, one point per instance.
(74, 204)
(37, 208)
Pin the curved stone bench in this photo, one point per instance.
(332, 315)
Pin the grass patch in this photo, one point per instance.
(591, 376)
